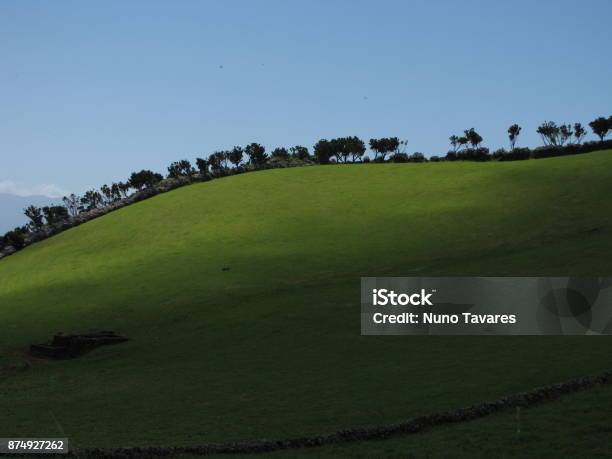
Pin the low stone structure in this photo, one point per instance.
(71, 346)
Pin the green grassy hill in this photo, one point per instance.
(271, 347)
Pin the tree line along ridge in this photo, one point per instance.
(558, 140)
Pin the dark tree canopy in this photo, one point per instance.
(117, 191)
(35, 215)
(513, 132)
(180, 168)
(280, 153)
(107, 193)
(350, 147)
(383, 146)
(549, 131)
(256, 153)
(340, 148)
(454, 141)
(473, 138)
(202, 165)
(56, 214)
(14, 238)
(300, 152)
(558, 140)
(323, 151)
(218, 160)
(92, 199)
(565, 133)
(235, 155)
(72, 204)
(144, 179)
(601, 126)
(579, 132)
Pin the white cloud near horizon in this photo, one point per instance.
(49, 190)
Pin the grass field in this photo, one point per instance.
(271, 347)
(578, 426)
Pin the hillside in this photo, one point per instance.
(241, 299)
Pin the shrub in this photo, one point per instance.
(451, 156)
(280, 153)
(516, 154)
(15, 238)
(300, 152)
(399, 158)
(417, 157)
(547, 151)
(475, 154)
(469, 154)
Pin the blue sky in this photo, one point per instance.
(90, 91)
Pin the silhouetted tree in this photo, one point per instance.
(107, 194)
(601, 126)
(454, 141)
(124, 187)
(235, 155)
(36, 217)
(180, 168)
(565, 133)
(355, 147)
(92, 199)
(144, 179)
(55, 214)
(513, 132)
(280, 153)
(549, 131)
(579, 132)
(323, 151)
(384, 146)
(300, 152)
(473, 137)
(202, 165)
(116, 193)
(218, 161)
(340, 149)
(72, 204)
(256, 153)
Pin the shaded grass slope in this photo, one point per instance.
(241, 297)
(578, 426)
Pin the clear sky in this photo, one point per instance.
(92, 90)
